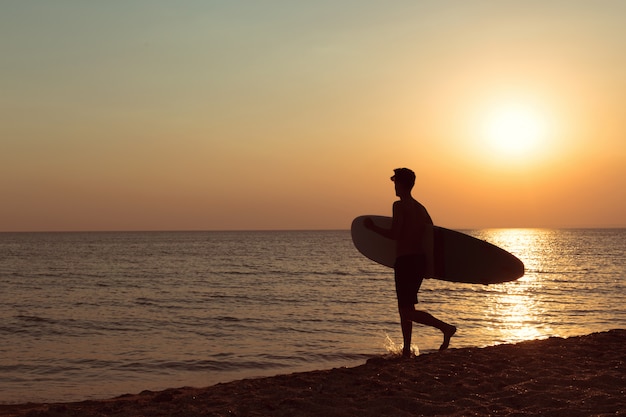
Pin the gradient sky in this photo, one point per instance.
(206, 115)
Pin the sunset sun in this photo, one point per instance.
(514, 130)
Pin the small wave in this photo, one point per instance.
(33, 319)
(227, 319)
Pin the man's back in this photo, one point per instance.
(414, 227)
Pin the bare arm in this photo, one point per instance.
(396, 223)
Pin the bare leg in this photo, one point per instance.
(407, 330)
(447, 335)
(409, 315)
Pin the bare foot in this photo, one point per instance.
(447, 335)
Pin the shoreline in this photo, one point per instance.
(575, 376)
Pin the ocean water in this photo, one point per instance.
(97, 315)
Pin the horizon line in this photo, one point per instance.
(299, 229)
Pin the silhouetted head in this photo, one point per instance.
(404, 177)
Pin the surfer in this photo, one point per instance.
(412, 229)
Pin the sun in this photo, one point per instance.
(514, 130)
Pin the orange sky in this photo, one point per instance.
(197, 115)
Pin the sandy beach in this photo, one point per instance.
(576, 376)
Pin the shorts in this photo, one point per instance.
(409, 271)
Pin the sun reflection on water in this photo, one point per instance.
(516, 314)
(515, 309)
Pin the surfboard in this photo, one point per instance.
(457, 257)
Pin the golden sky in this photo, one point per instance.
(207, 115)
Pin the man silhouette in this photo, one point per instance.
(412, 229)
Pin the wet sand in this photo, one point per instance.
(577, 376)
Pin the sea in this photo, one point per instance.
(98, 315)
